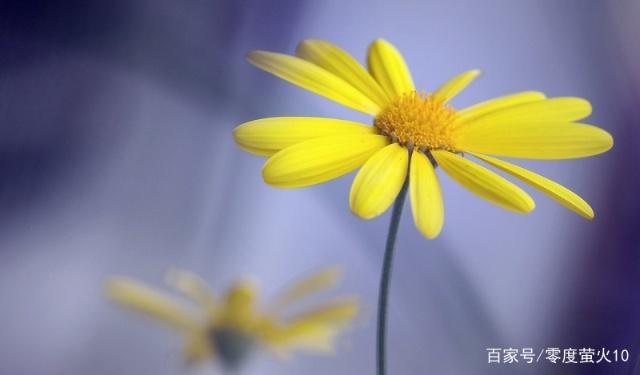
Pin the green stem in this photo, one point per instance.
(385, 278)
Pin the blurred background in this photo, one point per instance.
(116, 157)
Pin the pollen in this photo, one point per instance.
(418, 120)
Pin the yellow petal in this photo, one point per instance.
(313, 78)
(455, 85)
(315, 330)
(482, 108)
(334, 313)
(198, 348)
(379, 181)
(193, 286)
(553, 189)
(267, 136)
(239, 309)
(343, 65)
(309, 337)
(484, 183)
(150, 302)
(534, 141)
(426, 196)
(319, 160)
(553, 110)
(316, 282)
(387, 66)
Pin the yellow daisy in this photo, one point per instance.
(412, 133)
(230, 327)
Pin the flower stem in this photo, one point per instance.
(385, 278)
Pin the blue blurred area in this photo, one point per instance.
(116, 157)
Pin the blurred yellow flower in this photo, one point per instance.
(412, 133)
(229, 328)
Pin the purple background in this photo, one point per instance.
(116, 157)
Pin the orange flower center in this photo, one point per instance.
(418, 120)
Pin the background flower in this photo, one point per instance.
(230, 327)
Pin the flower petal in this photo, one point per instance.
(484, 183)
(239, 308)
(335, 312)
(426, 196)
(482, 108)
(313, 78)
(343, 65)
(534, 141)
(192, 286)
(319, 160)
(315, 330)
(455, 85)
(379, 181)
(387, 66)
(267, 136)
(300, 336)
(198, 348)
(553, 110)
(553, 189)
(316, 282)
(151, 302)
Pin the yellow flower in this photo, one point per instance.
(412, 133)
(229, 328)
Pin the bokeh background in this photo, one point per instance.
(116, 157)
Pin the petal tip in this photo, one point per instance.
(526, 206)
(587, 212)
(256, 57)
(431, 233)
(530, 205)
(251, 55)
(267, 175)
(362, 215)
(381, 43)
(589, 108)
(608, 140)
(361, 210)
(303, 45)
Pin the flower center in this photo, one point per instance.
(231, 345)
(418, 120)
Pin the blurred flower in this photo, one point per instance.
(414, 132)
(231, 327)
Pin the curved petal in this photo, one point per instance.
(316, 282)
(265, 137)
(387, 66)
(484, 183)
(455, 85)
(553, 189)
(150, 302)
(314, 330)
(426, 196)
(300, 336)
(379, 181)
(319, 160)
(470, 113)
(534, 141)
(553, 110)
(192, 286)
(313, 78)
(336, 313)
(343, 65)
